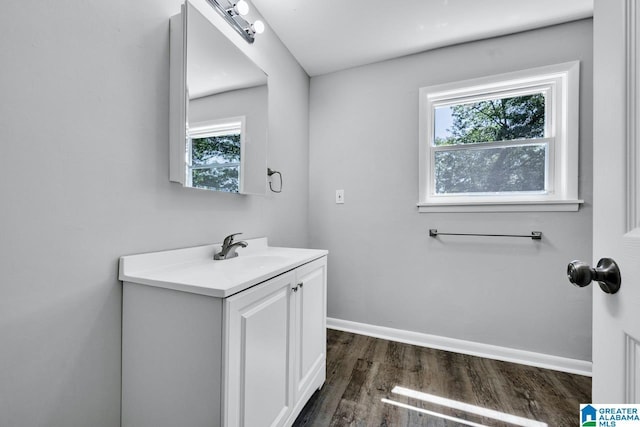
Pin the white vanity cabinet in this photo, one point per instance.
(310, 332)
(259, 351)
(219, 356)
(275, 347)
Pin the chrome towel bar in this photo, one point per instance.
(535, 235)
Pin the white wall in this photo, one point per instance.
(84, 179)
(384, 269)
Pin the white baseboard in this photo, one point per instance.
(523, 357)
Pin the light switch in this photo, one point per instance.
(339, 196)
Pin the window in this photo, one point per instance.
(502, 143)
(213, 155)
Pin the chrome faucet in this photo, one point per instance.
(229, 248)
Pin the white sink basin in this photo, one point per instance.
(194, 270)
(259, 261)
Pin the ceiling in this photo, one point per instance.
(327, 35)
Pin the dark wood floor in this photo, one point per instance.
(361, 371)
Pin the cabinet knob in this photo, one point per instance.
(295, 289)
(300, 284)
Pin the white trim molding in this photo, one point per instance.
(489, 351)
(632, 362)
(524, 206)
(632, 125)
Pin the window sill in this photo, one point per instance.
(533, 206)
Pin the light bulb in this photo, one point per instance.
(258, 27)
(242, 7)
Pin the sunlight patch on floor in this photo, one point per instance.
(466, 407)
(432, 413)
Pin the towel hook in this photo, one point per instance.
(270, 173)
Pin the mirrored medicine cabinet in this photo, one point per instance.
(218, 109)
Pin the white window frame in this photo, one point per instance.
(211, 128)
(560, 84)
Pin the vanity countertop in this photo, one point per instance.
(194, 269)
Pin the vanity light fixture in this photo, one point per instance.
(233, 11)
(241, 8)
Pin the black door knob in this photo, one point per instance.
(606, 273)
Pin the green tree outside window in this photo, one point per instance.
(491, 169)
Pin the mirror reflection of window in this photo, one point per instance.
(213, 155)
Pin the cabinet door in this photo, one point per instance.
(310, 328)
(258, 354)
